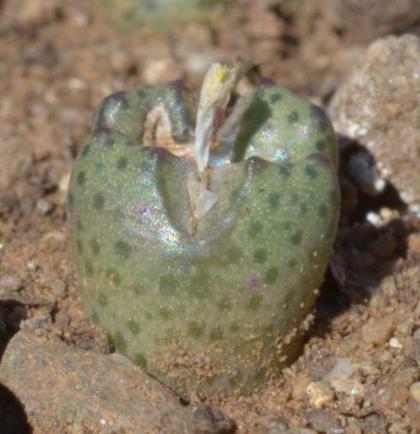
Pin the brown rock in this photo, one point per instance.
(64, 389)
(323, 420)
(413, 412)
(28, 12)
(319, 394)
(378, 331)
(378, 107)
(415, 391)
(371, 18)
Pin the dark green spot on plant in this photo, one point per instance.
(122, 163)
(287, 225)
(320, 145)
(122, 249)
(86, 151)
(119, 342)
(140, 360)
(234, 254)
(285, 170)
(294, 198)
(296, 238)
(138, 288)
(275, 98)
(109, 143)
(323, 126)
(323, 210)
(273, 199)
(293, 117)
(234, 327)
(255, 228)
(311, 171)
(99, 167)
(271, 275)
(260, 256)
(303, 208)
(102, 300)
(225, 305)
(164, 313)
(168, 285)
(216, 335)
(89, 268)
(199, 286)
(81, 178)
(196, 330)
(94, 245)
(133, 326)
(98, 201)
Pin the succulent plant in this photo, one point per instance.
(201, 231)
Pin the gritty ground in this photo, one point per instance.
(359, 372)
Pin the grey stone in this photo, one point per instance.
(323, 420)
(10, 284)
(65, 389)
(379, 107)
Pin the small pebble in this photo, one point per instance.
(413, 243)
(63, 184)
(32, 265)
(405, 327)
(342, 369)
(323, 420)
(27, 205)
(395, 343)
(10, 284)
(373, 218)
(363, 171)
(294, 431)
(415, 391)
(349, 387)
(378, 331)
(319, 394)
(44, 206)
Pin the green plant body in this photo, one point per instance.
(199, 275)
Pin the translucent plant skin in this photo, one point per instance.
(204, 306)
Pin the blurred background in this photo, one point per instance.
(58, 58)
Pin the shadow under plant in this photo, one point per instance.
(13, 419)
(372, 236)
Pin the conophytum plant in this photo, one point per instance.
(201, 231)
